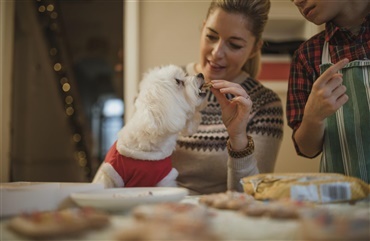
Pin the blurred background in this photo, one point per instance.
(70, 71)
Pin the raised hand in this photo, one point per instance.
(328, 94)
(235, 112)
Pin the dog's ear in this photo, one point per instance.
(164, 119)
(157, 117)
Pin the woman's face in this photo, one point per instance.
(225, 45)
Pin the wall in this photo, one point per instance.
(170, 32)
(6, 48)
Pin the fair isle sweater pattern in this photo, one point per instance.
(266, 119)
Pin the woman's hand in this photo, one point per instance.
(235, 112)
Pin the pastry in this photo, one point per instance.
(54, 224)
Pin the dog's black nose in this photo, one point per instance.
(200, 75)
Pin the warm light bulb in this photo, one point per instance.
(70, 111)
(63, 80)
(57, 67)
(50, 7)
(54, 15)
(42, 9)
(53, 51)
(68, 100)
(76, 137)
(66, 87)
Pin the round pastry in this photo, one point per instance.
(281, 211)
(55, 224)
(255, 210)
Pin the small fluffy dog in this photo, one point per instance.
(167, 105)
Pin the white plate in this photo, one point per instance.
(120, 199)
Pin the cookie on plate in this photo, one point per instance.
(53, 224)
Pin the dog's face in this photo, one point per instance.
(169, 98)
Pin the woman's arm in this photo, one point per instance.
(235, 116)
(237, 168)
(235, 112)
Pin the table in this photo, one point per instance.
(229, 225)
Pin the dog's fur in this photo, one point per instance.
(167, 105)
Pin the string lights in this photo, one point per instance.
(50, 23)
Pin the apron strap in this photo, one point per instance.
(325, 57)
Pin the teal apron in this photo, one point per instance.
(346, 147)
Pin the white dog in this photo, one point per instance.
(167, 105)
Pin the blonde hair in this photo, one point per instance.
(256, 12)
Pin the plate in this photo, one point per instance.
(121, 199)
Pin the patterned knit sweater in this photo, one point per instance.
(202, 160)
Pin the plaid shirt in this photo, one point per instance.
(305, 66)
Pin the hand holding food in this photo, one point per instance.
(235, 111)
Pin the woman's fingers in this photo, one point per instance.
(222, 100)
(245, 101)
(242, 99)
(229, 87)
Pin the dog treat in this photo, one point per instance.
(169, 221)
(154, 231)
(348, 223)
(247, 205)
(165, 211)
(54, 224)
(255, 210)
(276, 209)
(279, 211)
(312, 187)
(206, 86)
(227, 200)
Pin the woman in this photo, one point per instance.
(242, 125)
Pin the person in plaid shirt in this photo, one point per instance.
(328, 103)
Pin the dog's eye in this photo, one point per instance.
(180, 82)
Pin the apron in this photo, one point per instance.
(346, 147)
